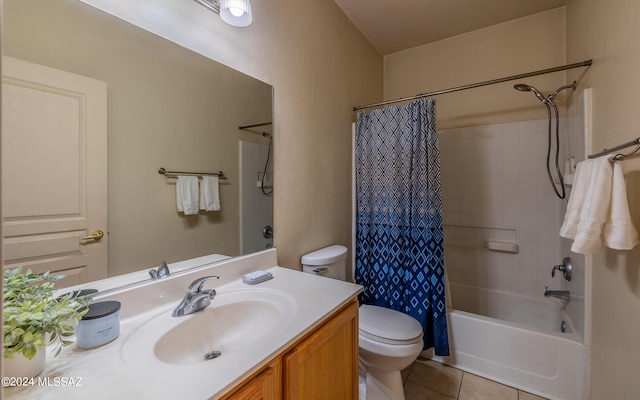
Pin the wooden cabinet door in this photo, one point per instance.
(266, 385)
(324, 366)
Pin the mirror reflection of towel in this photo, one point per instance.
(209, 194)
(187, 194)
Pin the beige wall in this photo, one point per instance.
(168, 107)
(608, 32)
(515, 47)
(320, 66)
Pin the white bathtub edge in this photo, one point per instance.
(559, 364)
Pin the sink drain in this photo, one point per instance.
(212, 354)
(563, 326)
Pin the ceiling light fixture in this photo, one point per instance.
(233, 12)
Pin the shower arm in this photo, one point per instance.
(560, 89)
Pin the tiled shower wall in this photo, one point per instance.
(495, 187)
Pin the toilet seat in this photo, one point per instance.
(388, 326)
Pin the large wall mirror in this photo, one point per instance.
(151, 104)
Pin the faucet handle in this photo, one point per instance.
(196, 286)
(163, 269)
(565, 268)
(161, 272)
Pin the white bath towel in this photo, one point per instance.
(209, 194)
(598, 213)
(619, 231)
(187, 194)
(581, 199)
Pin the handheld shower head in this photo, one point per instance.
(522, 87)
(527, 88)
(549, 103)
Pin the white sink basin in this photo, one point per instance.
(233, 322)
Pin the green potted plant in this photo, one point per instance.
(33, 318)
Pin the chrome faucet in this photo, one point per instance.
(559, 294)
(161, 272)
(196, 298)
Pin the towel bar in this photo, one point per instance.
(634, 142)
(174, 174)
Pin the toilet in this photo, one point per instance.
(389, 340)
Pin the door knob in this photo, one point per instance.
(95, 235)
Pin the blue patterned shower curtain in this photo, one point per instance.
(399, 233)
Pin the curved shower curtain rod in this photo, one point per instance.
(263, 133)
(479, 84)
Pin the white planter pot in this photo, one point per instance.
(21, 367)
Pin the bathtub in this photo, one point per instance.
(517, 341)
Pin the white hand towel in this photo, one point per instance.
(619, 232)
(209, 194)
(595, 206)
(187, 194)
(569, 226)
(598, 212)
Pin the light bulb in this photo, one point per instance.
(236, 11)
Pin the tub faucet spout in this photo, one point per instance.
(559, 294)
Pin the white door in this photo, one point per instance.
(54, 171)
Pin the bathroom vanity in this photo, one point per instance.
(292, 337)
(324, 364)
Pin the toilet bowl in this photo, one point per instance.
(389, 340)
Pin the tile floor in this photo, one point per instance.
(430, 380)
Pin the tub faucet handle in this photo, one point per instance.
(565, 268)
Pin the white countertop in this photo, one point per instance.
(104, 373)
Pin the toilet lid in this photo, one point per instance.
(388, 326)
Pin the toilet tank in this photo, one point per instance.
(330, 262)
